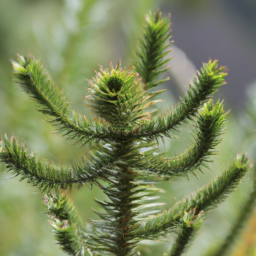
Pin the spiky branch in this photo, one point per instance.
(34, 80)
(46, 176)
(210, 125)
(153, 48)
(204, 200)
(208, 81)
(246, 208)
(67, 228)
(189, 227)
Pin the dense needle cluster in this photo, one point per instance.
(115, 162)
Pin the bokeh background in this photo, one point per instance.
(72, 38)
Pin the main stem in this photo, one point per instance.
(124, 204)
(119, 222)
(125, 211)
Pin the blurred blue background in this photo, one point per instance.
(72, 38)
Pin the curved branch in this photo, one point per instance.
(204, 200)
(44, 175)
(210, 125)
(50, 100)
(209, 80)
(245, 211)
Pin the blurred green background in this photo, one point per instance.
(72, 38)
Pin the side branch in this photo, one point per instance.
(50, 100)
(67, 228)
(40, 173)
(245, 211)
(211, 122)
(204, 200)
(190, 225)
(209, 80)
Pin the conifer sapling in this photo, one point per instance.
(115, 162)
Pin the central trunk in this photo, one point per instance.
(115, 231)
(124, 217)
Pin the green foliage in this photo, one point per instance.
(46, 176)
(246, 208)
(191, 224)
(118, 97)
(210, 124)
(204, 85)
(122, 157)
(205, 199)
(38, 85)
(67, 229)
(153, 49)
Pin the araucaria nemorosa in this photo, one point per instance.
(122, 155)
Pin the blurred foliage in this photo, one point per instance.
(72, 38)
(248, 136)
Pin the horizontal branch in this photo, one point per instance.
(211, 122)
(205, 199)
(208, 81)
(44, 175)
